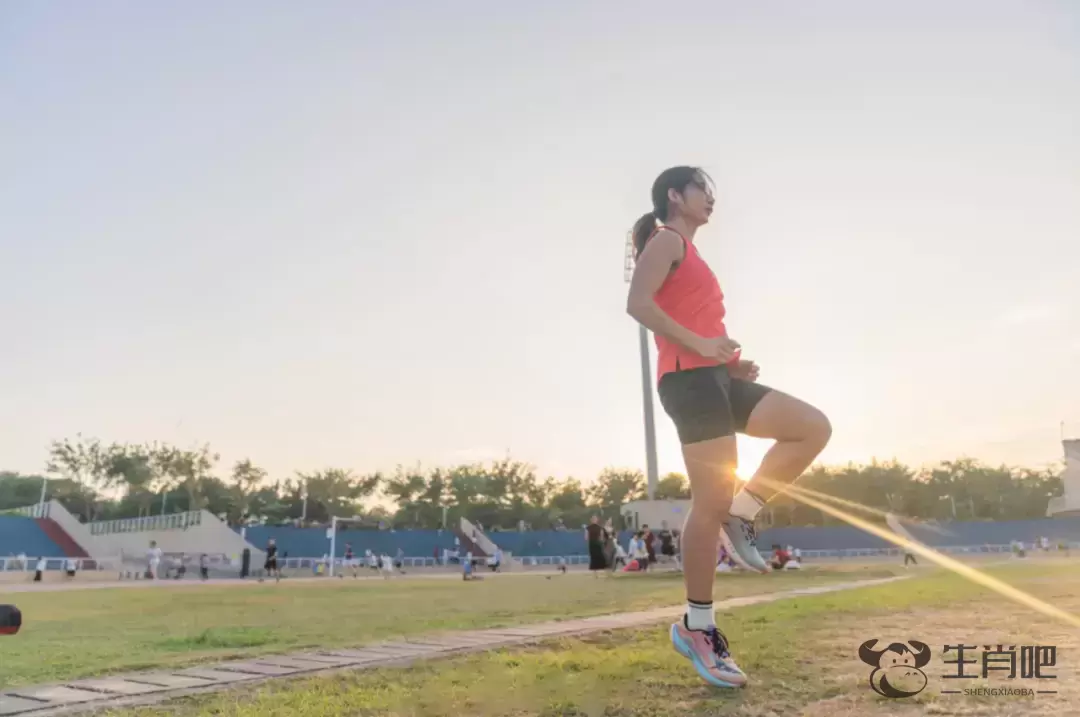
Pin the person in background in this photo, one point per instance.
(350, 562)
(70, 566)
(724, 563)
(204, 567)
(39, 570)
(619, 557)
(609, 544)
(153, 560)
(780, 557)
(399, 561)
(650, 549)
(638, 551)
(667, 544)
(271, 564)
(594, 536)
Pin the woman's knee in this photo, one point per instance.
(712, 508)
(818, 428)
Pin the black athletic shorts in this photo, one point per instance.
(706, 403)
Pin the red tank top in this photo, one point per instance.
(691, 296)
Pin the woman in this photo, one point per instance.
(710, 393)
(594, 535)
(609, 544)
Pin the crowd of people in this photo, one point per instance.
(647, 548)
(644, 549)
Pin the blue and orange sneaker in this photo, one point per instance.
(708, 651)
(741, 536)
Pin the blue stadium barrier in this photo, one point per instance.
(20, 535)
(832, 540)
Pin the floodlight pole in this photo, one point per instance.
(646, 385)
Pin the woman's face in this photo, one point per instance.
(695, 202)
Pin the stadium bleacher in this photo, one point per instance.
(989, 533)
(19, 535)
(312, 542)
(840, 537)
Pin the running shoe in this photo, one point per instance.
(742, 537)
(708, 651)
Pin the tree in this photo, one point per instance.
(219, 498)
(19, 491)
(83, 461)
(335, 491)
(615, 487)
(192, 468)
(165, 461)
(673, 486)
(567, 502)
(405, 489)
(131, 468)
(246, 477)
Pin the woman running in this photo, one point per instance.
(710, 393)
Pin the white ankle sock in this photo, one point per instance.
(746, 505)
(700, 616)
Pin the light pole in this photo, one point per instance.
(333, 544)
(41, 503)
(646, 382)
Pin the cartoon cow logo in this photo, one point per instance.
(898, 668)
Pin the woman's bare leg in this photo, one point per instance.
(801, 432)
(710, 465)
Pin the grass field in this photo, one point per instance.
(84, 633)
(801, 656)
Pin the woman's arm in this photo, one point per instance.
(662, 253)
(651, 269)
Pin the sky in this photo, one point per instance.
(359, 234)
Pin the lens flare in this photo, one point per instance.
(966, 571)
(865, 508)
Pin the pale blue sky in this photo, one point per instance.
(363, 234)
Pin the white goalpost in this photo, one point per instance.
(331, 533)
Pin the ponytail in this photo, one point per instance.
(675, 178)
(643, 229)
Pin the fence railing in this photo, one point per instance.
(173, 521)
(37, 510)
(30, 564)
(222, 561)
(947, 549)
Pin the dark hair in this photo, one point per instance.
(677, 178)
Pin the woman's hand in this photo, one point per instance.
(744, 370)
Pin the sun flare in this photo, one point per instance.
(751, 452)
